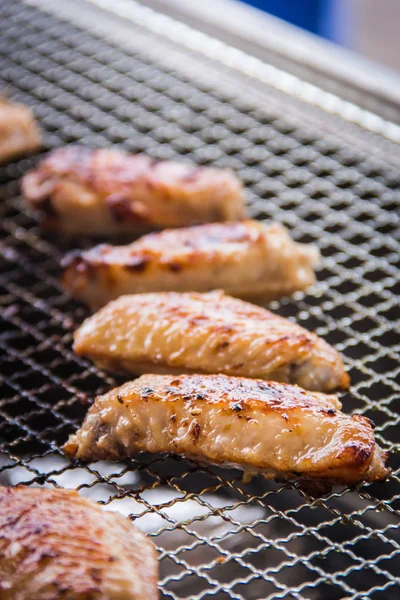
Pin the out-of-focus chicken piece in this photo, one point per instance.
(168, 332)
(280, 431)
(56, 545)
(106, 192)
(19, 133)
(245, 258)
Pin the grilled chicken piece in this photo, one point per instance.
(280, 431)
(19, 133)
(245, 258)
(104, 192)
(168, 332)
(56, 545)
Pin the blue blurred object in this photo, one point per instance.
(323, 17)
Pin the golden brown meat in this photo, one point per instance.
(280, 431)
(19, 133)
(245, 258)
(104, 192)
(56, 545)
(168, 332)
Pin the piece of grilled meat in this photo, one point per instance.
(244, 258)
(19, 133)
(56, 545)
(280, 431)
(104, 192)
(168, 332)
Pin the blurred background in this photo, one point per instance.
(369, 27)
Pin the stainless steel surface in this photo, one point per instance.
(299, 52)
(135, 82)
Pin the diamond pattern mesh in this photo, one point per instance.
(216, 536)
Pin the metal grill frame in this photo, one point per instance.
(325, 168)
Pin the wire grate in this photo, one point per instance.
(216, 536)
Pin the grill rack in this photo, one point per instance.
(315, 173)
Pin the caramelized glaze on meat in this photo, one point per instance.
(104, 192)
(56, 545)
(207, 333)
(245, 258)
(19, 133)
(263, 427)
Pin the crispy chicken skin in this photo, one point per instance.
(104, 192)
(280, 431)
(56, 545)
(245, 258)
(19, 133)
(168, 332)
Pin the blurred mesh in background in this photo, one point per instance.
(367, 27)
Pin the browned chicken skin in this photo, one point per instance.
(277, 430)
(168, 332)
(19, 133)
(56, 545)
(104, 192)
(245, 258)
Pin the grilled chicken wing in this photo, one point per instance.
(103, 192)
(19, 133)
(56, 545)
(168, 332)
(280, 431)
(245, 258)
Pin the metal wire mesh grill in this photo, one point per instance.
(216, 536)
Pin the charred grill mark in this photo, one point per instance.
(145, 392)
(174, 267)
(264, 387)
(124, 209)
(360, 455)
(137, 263)
(221, 345)
(86, 263)
(195, 430)
(171, 390)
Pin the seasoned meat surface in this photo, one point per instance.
(207, 333)
(244, 258)
(278, 430)
(105, 192)
(56, 545)
(19, 133)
